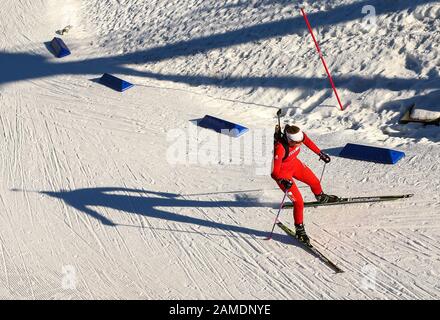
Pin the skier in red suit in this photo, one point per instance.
(287, 166)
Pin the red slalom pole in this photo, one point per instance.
(322, 58)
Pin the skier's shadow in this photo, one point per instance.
(151, 204)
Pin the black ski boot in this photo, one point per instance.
(300, 234)
(326, 198)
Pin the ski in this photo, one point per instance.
(352, 200)
(310, 248)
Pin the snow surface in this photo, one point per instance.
(426, 107)
(93, 208)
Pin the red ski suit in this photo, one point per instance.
(292, 167)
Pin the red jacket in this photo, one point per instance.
(282, 169)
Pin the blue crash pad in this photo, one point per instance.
(115, 83)
(216, 124)
(59, 47)
(372, 154)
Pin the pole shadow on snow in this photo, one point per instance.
(153, 204)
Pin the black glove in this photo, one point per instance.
(287, 184)
(324, 157)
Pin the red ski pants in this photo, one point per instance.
(302, 173)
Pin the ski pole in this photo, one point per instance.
(322, 173)
(279, 211)
(279, 114)
(278, 132)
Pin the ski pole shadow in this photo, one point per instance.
(153, 204)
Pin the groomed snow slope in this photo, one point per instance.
(85, 181)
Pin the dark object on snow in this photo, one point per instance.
(222, 126)
(64, 31)
(372, 154)
(407, 118)
(115, 83)
(59, 47)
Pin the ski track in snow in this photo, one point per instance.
(66, 139)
